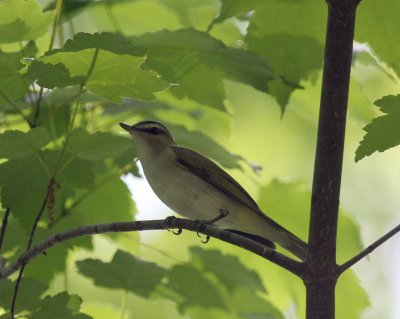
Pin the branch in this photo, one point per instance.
(368, 250)
(279, 259)
(28, 247)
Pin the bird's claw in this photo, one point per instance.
(178, 232)
(167, 223)
(205, 241)
(222, 214)
(200, 224)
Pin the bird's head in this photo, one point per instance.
(149, 136)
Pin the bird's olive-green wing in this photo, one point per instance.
(213, 174)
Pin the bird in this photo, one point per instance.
(196, 188)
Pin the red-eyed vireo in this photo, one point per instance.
(195, 187)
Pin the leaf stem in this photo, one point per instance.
(15, 107)
(46, 169)
(67, 137)
(55, 23)
(52, 38)
(124, 303)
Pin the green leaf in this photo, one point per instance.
(28, 295)
(98, 146)
(23, 20)
(55, 117)
(198, 63)
(45, 267)
(382, 132)
(232, 8)
(227, 269)
(23, 178)
(15, 238)
(73, 171)
(294, 214)
(60, 306)
(114, 77)
(109, 201)
(12, 83)
(290, 35)
(52, 75)
(284, 51)
(377, 24)
(125, 271)
(117, 72)
(12, 31)
(194, 288)
(17, 144)
(112, 42)
(250, 305)
(27, 178)
(350, 288)
(295, 17)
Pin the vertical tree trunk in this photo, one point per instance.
(320, 267)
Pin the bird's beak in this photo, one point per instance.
(126, 127)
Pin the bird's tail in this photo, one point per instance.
(286, 239)
(293, 244)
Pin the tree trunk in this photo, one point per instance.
(320, 267)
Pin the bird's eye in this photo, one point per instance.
(154, 130)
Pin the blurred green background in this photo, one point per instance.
(264, 137)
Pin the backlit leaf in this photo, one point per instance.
(124, 271)
(383, 131)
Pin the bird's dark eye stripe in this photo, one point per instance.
(153, 130)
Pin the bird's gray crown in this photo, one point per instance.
(151, 127)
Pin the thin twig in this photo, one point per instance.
(15, 107)
(368, 250)
(272, 255)
(4, 226)
(28, 247)
(52, 38)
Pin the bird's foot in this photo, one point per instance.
(167, 224)
(199, 227)
(222, 214)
